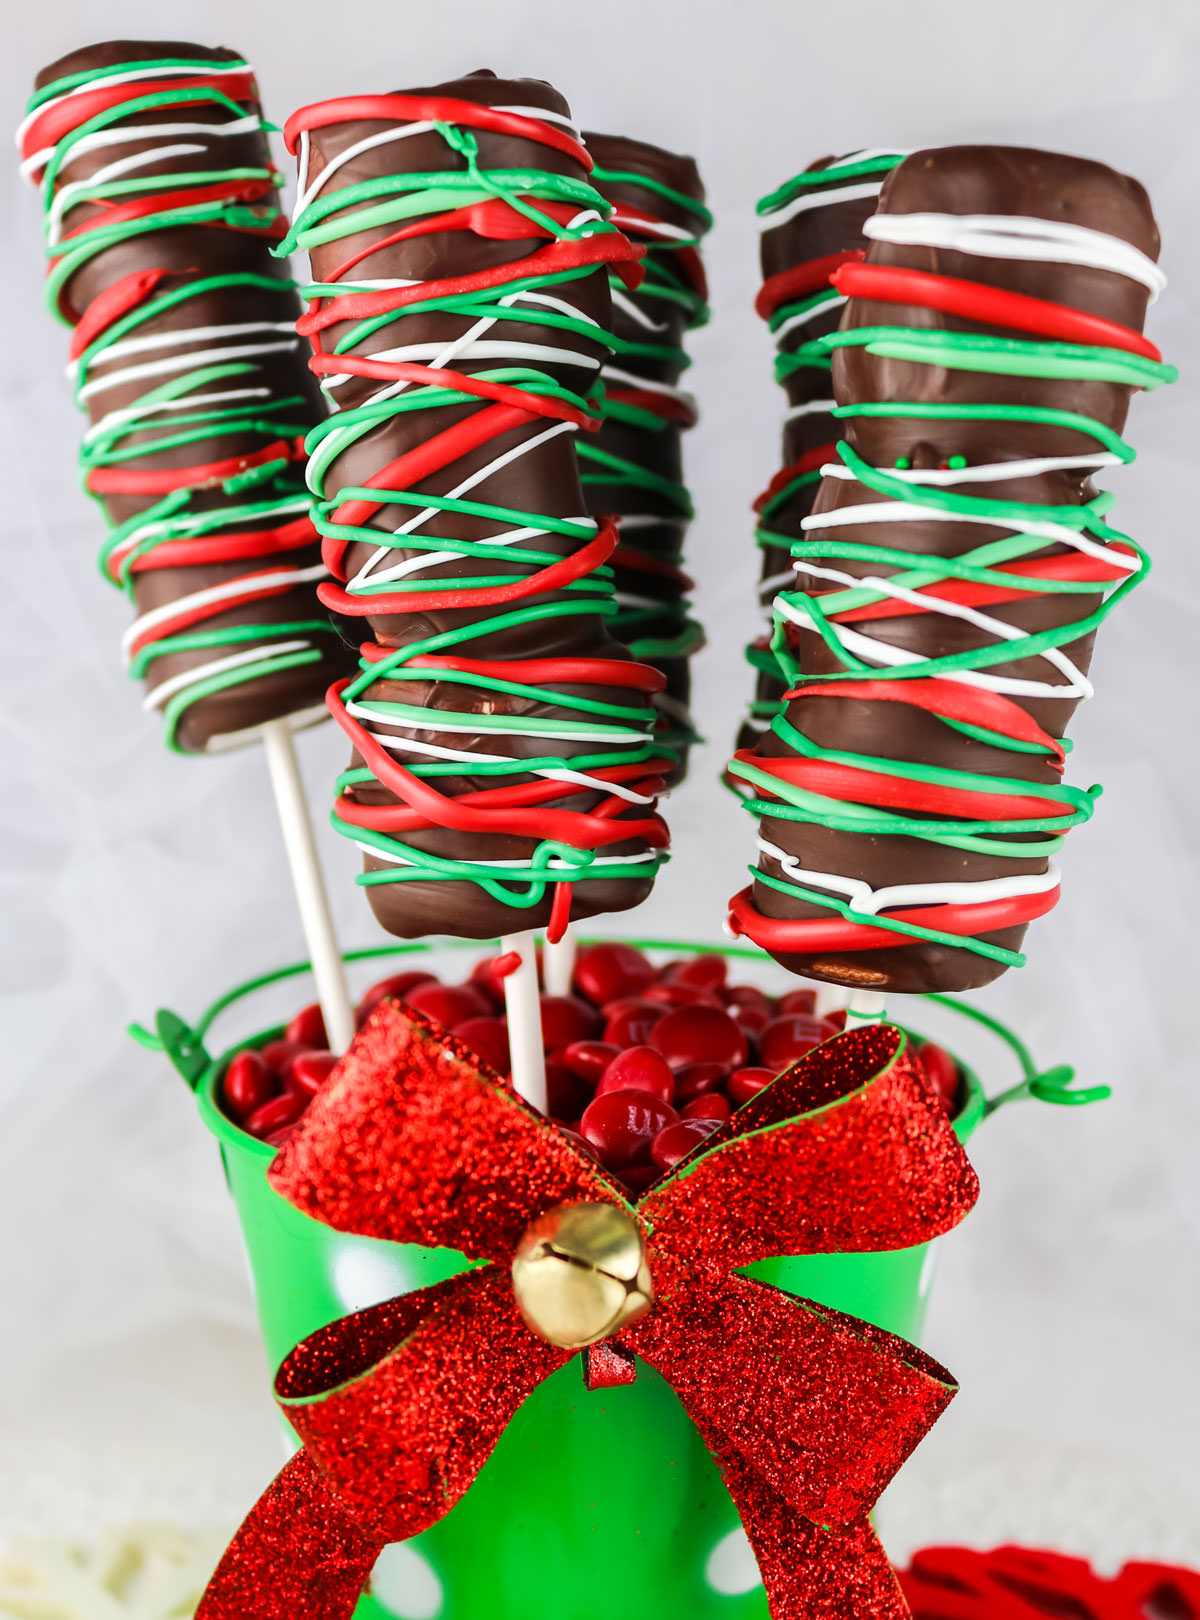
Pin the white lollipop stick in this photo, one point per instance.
(309, 884)
(864, 1007)
(525, 1022)
(558, 965)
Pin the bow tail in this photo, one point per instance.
(298, 1553)
(824, 1408)
(809, 1573)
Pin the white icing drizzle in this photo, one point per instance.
(828, 198)
(122, 134)
(158, 695)
(134, 74)
(869, 902)
(1014, 236)
(805, 317)
(811, 407)
(374, 571)
(228, 593)
(184, 362)
(170, 340)
(179, 528)
(1076, 687)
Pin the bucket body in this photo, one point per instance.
(597, 1505)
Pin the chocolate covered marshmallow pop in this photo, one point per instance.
(632, 468)
(953, 572)
(161, 210)
(505, 771)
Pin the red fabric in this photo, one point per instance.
(1021, 1583)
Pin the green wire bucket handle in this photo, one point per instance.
(1053, 1085)
(183, 1044)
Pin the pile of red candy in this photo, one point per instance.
(642, 1063)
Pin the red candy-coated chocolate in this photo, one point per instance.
(620, 1125)
(396, 988)
(787, 1038)
(246, 1085)
(710, 1106)
(308, 1028)
(747, 1083)
(450, 1004)
(669, 994)
(279, 1137)
(566, 1019)
(581, 1142)
(750, 1017)
(308, 1072)
(706, 972)
(749, 995)
(631, 1025)
(566, 1094)
(699, 1035)
(278, 1054)
(942, 1071)
(639, 1068)
(799, 1001)
(637, 1177)
(699, 1079)
(603, 972)
(588, 1059)
(488, 1039)
(282, 1110)
(486, 976)
(674, 1142)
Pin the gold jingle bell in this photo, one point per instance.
(580, 1274)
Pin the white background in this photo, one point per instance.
(131, 1383)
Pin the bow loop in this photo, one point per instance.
(369, 1397)
(414, 1140)
(849, 1151)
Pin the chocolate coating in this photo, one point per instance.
(814, 233)
(544, 480)
(957, 180)
(188, 254)
(646, 567)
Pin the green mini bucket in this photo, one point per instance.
(593, 1505)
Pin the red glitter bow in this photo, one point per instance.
(807, 1412)
(1021, 1583)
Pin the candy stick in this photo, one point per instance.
(525, 1021)
(311, 898)
(864, 1007)
(558, 964)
